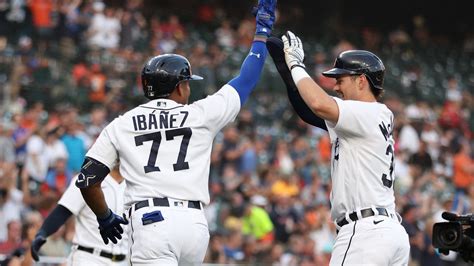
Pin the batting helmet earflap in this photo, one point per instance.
(354, 62)
(162, 73)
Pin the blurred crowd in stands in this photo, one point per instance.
(68, 67)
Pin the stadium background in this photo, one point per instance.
(62, 81)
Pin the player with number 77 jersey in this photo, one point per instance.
(164, 147)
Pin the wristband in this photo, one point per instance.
(298, 73)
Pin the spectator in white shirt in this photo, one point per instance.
(104, 30)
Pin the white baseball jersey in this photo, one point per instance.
(165, 147)
(87, 234)
(362, 157)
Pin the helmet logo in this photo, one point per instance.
(150, 90)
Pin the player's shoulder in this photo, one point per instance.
(380, 112)
(223, 95)
(124, 117)
(363, 105)
(227, 89)
(384, 109)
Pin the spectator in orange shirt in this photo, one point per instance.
(41, 11)
(463, 176)
(97, 94)
(463, 166)
(324, 147)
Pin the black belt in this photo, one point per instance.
(365, 213)
(104, 254)
(163, 202)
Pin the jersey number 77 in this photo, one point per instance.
(156, 138)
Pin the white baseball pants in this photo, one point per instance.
(180, 239)
(375, 240)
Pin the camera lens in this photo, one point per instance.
(449, 236)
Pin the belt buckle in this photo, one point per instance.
(96, 252)
(178, 203)
(114, 257)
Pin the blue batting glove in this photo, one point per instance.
(265, 17)
(110, 227)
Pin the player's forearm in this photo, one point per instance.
(314, 96)
(55, 220)
(94, 197)
(251, 69)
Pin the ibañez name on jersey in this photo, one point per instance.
(161, 120)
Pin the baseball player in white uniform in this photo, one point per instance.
(88, 248)
(360, 128)
(164, 148)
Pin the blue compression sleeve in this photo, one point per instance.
(250, 71)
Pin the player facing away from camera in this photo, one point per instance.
(87, 248)
(164, 147)
(360, 129)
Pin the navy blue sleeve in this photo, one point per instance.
(250, 71)
(275, 49)
(302, 109)
(55, 220)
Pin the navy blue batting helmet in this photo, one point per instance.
(162, 74)
(358, 62)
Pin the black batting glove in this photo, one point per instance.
(110, 227)
(39, 241)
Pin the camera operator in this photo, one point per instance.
(456, 233)
(446, 205)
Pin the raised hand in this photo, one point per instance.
(293, 48)
(265, 17)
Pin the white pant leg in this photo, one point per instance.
(367, 243)
(196, 241)
(180, 239)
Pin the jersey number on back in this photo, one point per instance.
(155, 137)
(389, 182)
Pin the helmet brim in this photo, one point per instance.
(196, 77)
(337, 72)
